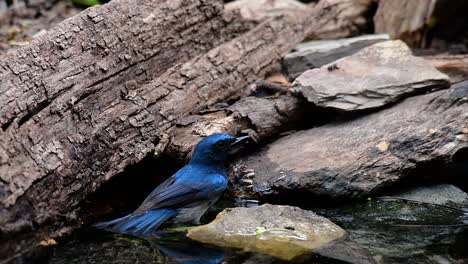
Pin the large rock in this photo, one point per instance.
(316, 53)
(285, 232)
(362, 156)
(375, 76)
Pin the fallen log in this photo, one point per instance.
(351, 18)
(105, 88)
(455, 66)
(405, 20)
(361, 157)
(260, 117)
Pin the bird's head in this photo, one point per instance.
(215, 148)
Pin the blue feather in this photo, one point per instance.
(143, 224)
(186, 195)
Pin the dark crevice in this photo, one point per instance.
(7, 124)
(461, 156)
(40, 106)
(124, 192)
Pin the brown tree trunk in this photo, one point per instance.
(105, 88)
(405, 20)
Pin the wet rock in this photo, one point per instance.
(375, 76)
(441, 194)
(259, 10)
(316, 53)
(286, 232)
(362, 156)
(397, 231)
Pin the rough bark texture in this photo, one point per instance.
(105, 88)
(406, 20)
(259, 10)
(360, 157)
(260, 117)
(455, 66)
(352, 17)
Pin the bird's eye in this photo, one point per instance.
(222, 144)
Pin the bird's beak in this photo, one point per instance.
(236, 145)
(239, 140)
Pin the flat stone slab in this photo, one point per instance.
(375, 76)
(285, 232)
(314, 54)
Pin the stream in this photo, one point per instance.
(379, 231)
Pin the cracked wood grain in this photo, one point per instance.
(104, 88)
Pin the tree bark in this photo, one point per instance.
(455, 66)
(354, 159)
(405, 20)
(260, 117)
(107, 87)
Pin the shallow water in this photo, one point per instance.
(379, 231)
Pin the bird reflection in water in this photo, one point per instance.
(190, 253)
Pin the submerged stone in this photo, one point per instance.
(440, 194)
(375, 76)
(285, 232)
(398, 231)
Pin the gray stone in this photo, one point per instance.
(316, 53)
(375, 76)
(365, 155)
(441, 194)
(286, 232)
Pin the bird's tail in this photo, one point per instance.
(142, 224)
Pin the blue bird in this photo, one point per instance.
(185, 196)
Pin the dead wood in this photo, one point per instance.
(405, 20)
(455, 66)
(107, 87)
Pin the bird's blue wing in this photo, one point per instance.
(142, 224)
(180, 190)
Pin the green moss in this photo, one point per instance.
(86, 2)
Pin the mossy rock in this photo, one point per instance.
(285, 232)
